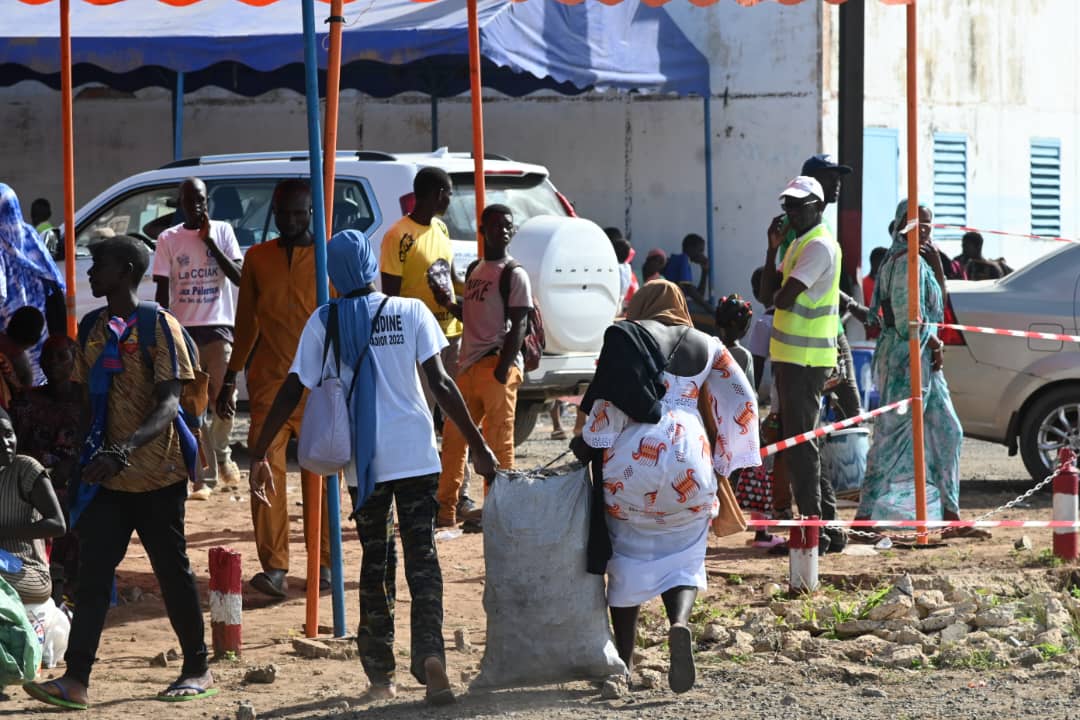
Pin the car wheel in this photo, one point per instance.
(525, 417)
(1051, 423)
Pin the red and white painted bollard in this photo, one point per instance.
(226, 601)
(1066, 489)
(803, 558)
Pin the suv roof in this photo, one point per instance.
(294, 163)
(442, 156)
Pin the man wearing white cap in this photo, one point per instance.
(803, 343)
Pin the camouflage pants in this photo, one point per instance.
(416, 508)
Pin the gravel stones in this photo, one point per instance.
(650, 679)
(954, 633)
(462, 642)
(864, 648)
(264, 675)
(854, 628)
(311, 649)
(994, 617)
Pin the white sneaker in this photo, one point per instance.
(199, 492)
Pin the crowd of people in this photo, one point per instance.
(671, 415)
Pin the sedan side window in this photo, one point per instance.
(352, 209)
(243, 204)
(143, 214)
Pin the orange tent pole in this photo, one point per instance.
(333, 488)
(333, 91)
(914, 301)
(69, 163)
(477, 118)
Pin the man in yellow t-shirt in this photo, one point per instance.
(417, 243)
(418, 246)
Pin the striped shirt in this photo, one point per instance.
(17, 481)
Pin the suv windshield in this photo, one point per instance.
(527, 195)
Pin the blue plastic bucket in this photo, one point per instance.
(862, 353)
(843, 459)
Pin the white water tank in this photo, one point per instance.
(574, 277)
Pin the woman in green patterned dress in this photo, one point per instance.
(888, 490)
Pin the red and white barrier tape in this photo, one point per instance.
(1004, 233)
(827, 429)
(925, 523)
(1008, 333)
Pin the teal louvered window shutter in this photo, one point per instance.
(950, 183)
(1046, 187)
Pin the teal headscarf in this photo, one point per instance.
(900, 221)
(892, 272)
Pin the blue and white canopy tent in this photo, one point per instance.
(388, 47)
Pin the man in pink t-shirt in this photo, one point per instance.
(194, 264)
(495, 312)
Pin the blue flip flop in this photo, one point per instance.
(180, 685)
(62, 700)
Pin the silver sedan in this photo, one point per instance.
(1021, 392)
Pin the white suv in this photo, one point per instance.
(372, 190)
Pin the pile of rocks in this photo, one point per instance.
(907, 627)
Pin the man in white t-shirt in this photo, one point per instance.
(400, 467)
(194, 264)
(494, 309)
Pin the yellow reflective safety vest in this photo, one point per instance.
(805, 334)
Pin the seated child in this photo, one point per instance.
(47, 417)
(29, 513)
(655, 262)
(758, 343)
(47, 420)
(21, 334)
(733, 317)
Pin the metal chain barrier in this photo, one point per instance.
(937, 531)
(1016, 501)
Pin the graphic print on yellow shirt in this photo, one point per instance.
(409, 249)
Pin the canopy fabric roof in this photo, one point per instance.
(390, 46)
(654, 3)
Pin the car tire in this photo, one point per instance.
(1046, 410)
(525, 416)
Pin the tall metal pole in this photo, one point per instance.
(333, 484)
(434, 122)
(477, 117)
(69, 164)
(178, 118)
(333, 92)
(852, 81)
(313, 506)
(914, 301)
(709, 229)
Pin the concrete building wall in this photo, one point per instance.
(1000, 72)
(634, 161)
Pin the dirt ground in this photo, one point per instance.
(761, 687)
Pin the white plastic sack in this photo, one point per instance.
(325, 443)
(546, 616)
(55, 626)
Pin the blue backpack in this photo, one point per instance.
(193, 401)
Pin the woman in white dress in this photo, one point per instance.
(658, 476)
